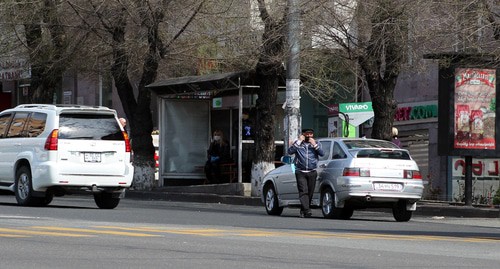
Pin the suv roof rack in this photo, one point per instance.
(47, 106)
(53, 107)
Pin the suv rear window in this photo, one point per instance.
(89, 126)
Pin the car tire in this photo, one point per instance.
(105, 200)
(23, 188)
(271, 201)
(328, 206)
(346, 213)
(400, 213)
(45, 201)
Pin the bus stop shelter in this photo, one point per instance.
(184, 107)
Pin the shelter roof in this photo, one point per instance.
(203, 83)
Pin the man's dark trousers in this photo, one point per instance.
(306, 182)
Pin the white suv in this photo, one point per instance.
(53, 150)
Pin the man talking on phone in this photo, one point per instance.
(307, 151)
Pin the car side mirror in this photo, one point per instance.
(286, 159)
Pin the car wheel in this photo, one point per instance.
(105, 200)
(400, 212)
(328, 206)
(23, 188)
(271, 201)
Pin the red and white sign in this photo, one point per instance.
(475, 96)
(14, 70)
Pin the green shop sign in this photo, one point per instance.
(355, 107)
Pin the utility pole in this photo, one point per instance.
(292, 104)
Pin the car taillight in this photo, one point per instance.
(51, 142)
(412, 174)
(127, 142)
(351, 172)
(356, 172)
(364, 172)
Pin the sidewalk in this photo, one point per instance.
(238, 194)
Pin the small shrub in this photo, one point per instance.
(496, 198)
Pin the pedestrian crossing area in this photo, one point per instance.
(158, 232)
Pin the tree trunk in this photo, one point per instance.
(264, 130)
(138, 112)
(39, 94)
(382, 61)
(46, 53)
(269, 70)
(384, 107)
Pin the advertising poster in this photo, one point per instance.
(475, 102)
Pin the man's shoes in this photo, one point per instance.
(306, 214)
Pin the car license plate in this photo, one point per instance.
(387, 187)
(92, 157)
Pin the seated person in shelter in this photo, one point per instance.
(218, 153)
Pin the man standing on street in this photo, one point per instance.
(307, 152)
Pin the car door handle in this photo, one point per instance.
(322, 166)
(17, 144)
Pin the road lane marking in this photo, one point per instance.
(302, 234)
(160, 231)
(202, 232)
(13, 235)
(91, 231)
(31, 232)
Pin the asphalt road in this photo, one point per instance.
(73, 233)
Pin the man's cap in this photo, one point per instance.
(308, 130)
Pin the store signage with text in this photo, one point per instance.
(416, 112)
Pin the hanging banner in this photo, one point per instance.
(475, 102)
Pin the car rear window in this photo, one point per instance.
(357, 144)
(89, 126)
(383, 154)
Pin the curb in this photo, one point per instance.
(194, 197)
(424, 208)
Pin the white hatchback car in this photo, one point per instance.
(353, 174)
(53, 150)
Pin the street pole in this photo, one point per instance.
(292, 119)
(468, 181)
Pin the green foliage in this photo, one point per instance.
(496, 198)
